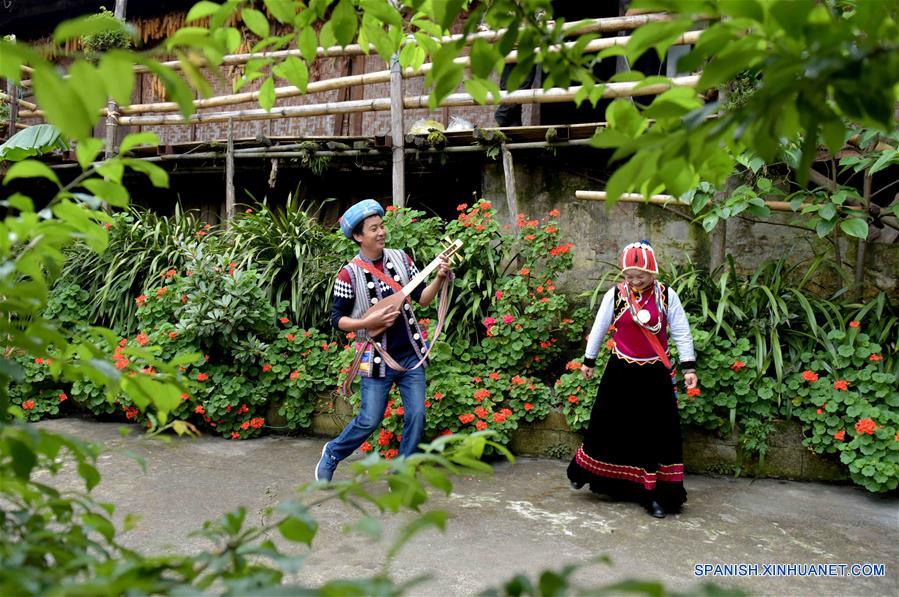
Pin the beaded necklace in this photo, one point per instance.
(642, 316)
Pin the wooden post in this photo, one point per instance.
(229, 173)
(509, 175)
(112, 108)
(862, 246)
(397, 132)
(13, 91)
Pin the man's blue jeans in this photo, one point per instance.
(374, 391)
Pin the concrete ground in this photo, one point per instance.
(522, 519)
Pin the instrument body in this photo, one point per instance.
(396, 300)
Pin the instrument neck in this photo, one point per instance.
(421, 277)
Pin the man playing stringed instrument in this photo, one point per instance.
(397, 354)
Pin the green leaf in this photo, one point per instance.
(133, 140)
(30, 169)
(111, 192)
(445, 12)
(90, 475)
(118, 75)
(267, 94)
(255, 21)
(382, 11)
(295, 71)
(299, 529)
(308, 44)
(345, 23)
(624, 117)
(201, 9)
(285, 12)
(35, 140)
(23, 458)
(158, 176)
(62, 107)
(792, 15)
(484, 58)
(855, 227)
(658, 35)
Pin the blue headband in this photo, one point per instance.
(356, 214)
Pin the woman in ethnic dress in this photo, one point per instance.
(632, 448)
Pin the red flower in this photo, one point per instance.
(820, 411)
(738, 365)
(130, 412)
(488, 321)
(185, 396)
(140, 300)
(499, 417)
(481, 412)
(284, 320)
(202, 377)
(462, 207)
(841, 384)
(173, 335)
(466, 418)
(257, 422)
(476, 379)
(855, 324)
(28, 405)
(875, 357)
(481, 394)
(551, 229)
(554, 213)
(391, 208)
(485, 205)
(507, 412)
(183, 298)
(573, 366)
(528, 406)
(38, 361)
(245, 425)
(480, 425)
(610, 344)
(508, 319)
(289, 337)
(809, 376)
(518, 381)
(529, 237)
(63, 397)
(493, 375)
(266, 368)
(294, 375)
(243, 409)
(366, 447)
(693, 392)
(499, 294)
(866, 426)
(142, 339)
(438, 395)
(248, 210)
(200, 410)
(161, 291)
(391, 454)
(235, 435)
(572, 399)
(524, 271)
(839, 435)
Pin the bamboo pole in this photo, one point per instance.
(383, 76)
(112, 113)
(525, 96)
(5, 98)
(397, 132)
(229, 174)
(581, 27)
(509, 177)
(13, 93)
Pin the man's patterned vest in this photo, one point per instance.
(368, 290)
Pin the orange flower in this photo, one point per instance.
(140, 300)
(528, 406)
(391, 208)
(266, 368)
(573, 366)
(738, 365)
(841, 384)
(499, 417)
(462, 207)
(294, 375)
(38, 361)
(480, 425)
(245, 425)
(693, 392)
(610, 344)
(524, 271)
(476, 379)
(248, 210)
(875, 357)
(518, 381)
(866, 426)
(284, 320)
(142, 339)
(554, 213)
(366, 447)
(438, 395)
(485, 205)
(839, 435)
(63, 397)
(551, 229)
(257, 422)
(235, 434)
(466, 418)
(493, 375)
(289, 337)
(809, 376)
(202, 377)
(28, 405)
(855, 324)
(183, 298)
(161, 291)
(529, 237)
(481, 394)
(173, 335)
(185, 396)
(200, 410)
(572, 399)
(481, 412)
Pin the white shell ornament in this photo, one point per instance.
(643, 316)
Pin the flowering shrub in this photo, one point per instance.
(850, 407)
(575, 395)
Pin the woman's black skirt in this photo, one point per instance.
(632, 448)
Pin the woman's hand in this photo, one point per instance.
(586, 371)
(690, 380)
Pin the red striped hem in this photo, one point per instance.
(667, 472)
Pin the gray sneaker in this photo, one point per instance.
(324, 470)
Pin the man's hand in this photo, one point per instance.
(443, 270)
(587, 372)
(383, 318)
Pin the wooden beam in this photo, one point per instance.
(397, 132)
(665, 200)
